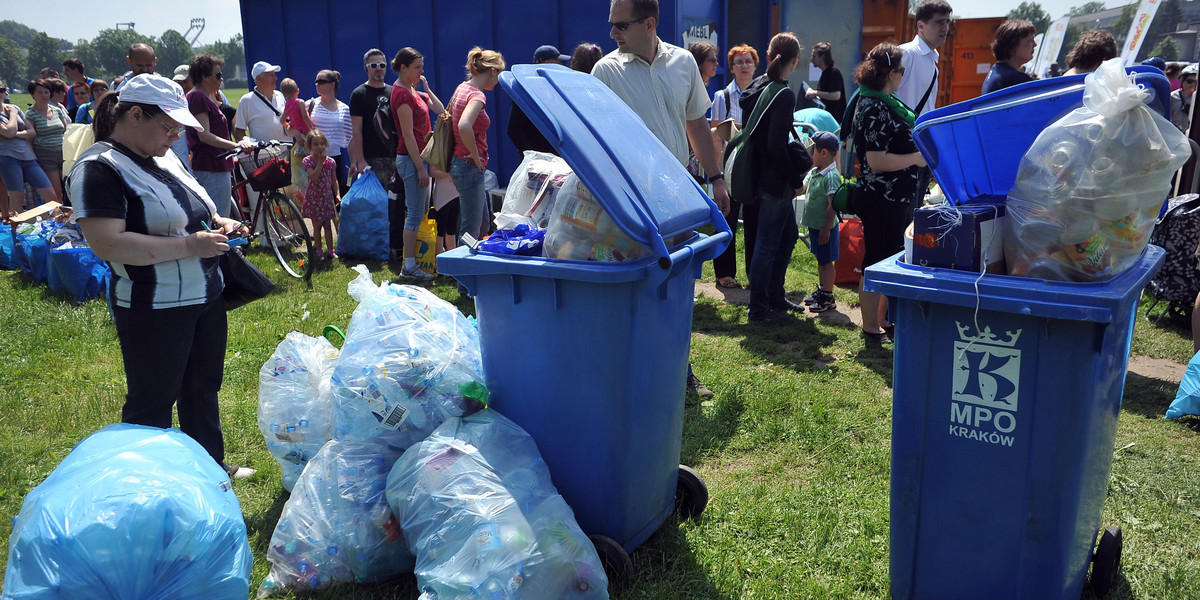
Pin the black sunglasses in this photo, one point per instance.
(623, 25)
(320, 81)
(899, 70)
(3, 90)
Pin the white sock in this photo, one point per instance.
(410, 263)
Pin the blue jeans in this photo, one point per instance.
(16, 173)
(468, 180)
(218, 184)
(416, 198)
(777, 235)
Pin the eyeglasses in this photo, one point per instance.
(219, 75)
(899, 70)
(743, 63)
(623, 25)
(377, 65)
(171, 132)
(320, 81)
(712, 59)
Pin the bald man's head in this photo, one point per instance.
(141, 59)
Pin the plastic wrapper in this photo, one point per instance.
(533, 187)
(295, 406)
(336, 527)
(410, 361)
(1187, 399)
(580, 229)
(132, 513)
(363, 224)
(522, 240)
(479, 511)
(1088, 191)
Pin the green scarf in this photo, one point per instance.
(898, 108)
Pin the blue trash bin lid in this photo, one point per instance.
(641, 185)
(975, 147)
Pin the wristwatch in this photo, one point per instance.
(716, 177)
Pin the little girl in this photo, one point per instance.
(322, 191)
(295, 119)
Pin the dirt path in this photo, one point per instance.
(1155, 368)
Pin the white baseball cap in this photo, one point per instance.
(261, 67)
(181, 73)
(149, 88)
(1192, 68)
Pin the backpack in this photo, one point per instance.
(1178, 232)
(841, 197)
(739, 154)
(385, 122)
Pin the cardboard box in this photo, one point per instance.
(44, 211)
(960, 237)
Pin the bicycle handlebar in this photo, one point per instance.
(257, 146)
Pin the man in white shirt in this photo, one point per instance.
(259, 110)
(919, 85)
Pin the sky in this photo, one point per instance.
(974, 9)
(222, 18)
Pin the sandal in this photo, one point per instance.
(729, 283)
(877, 338)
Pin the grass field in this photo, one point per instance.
(795, 447)
(24, 100)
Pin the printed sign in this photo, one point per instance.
(702, 32)
(985, 386)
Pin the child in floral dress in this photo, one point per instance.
(322, 192)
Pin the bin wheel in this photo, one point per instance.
(691, 495)
(1107, 561)
(615, 560)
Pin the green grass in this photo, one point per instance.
(25, 100)
(795, 448)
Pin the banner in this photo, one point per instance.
(1137, 31)
(1051, 46)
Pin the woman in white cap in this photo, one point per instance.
(150, 219)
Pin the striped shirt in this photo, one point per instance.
(463, 95)
(335, 125)
(49, 131)
(154, 196)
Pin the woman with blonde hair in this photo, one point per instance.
(471, 122)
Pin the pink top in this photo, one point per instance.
(420, 116)
(463, 95)
(293, 111)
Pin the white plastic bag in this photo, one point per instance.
(481, 515)
(533, 187)
(410, 361)
(1088, 191)
(295, 409)
(336, 526)
(580, 229)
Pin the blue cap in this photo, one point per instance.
(1156, 62)
(826, 140)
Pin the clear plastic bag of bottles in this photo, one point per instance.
(131, 512)
(336, 526)
(410, 361)
(295, 406)
(479, 511)
(533, 188)
(1088, 191)
(580, 229)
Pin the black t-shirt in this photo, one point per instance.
(831, 81)
(363, 103)
(878, 129)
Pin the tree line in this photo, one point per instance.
(24, 51)
(1158, 42)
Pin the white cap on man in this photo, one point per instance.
(181, 73)
(149, 88)
(261, 67)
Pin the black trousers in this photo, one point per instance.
(725, 264)
(175, 356)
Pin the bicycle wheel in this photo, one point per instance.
(288, 234)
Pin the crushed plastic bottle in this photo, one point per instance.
(295, 404)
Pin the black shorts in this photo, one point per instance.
(884, 223)
(446, 217)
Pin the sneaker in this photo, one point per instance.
(695, 386)
(771, 316)
(810, 299)
(824, 301)
(415, 273)
(236, 472)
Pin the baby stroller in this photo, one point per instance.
(1178, 282)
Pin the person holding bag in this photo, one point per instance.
(890, 171)
(777, 181)
(149, 218)
(410, 109)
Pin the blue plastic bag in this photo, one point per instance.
(37, 256)
(479, 511)
(132, 513)
(79, 272)
(363, 229)
(1187, 399)
(7, 247)
(521, 240)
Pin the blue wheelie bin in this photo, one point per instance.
(591, 358)
(1006, 390)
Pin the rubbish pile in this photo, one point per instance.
(56, 255)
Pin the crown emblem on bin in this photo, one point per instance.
(985, 336)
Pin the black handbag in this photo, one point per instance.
(244, 283)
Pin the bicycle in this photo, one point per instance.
(266, 169)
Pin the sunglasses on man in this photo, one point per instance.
(623, 25)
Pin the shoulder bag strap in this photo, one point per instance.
(267, 102)
(928, 91)
(760, 107)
